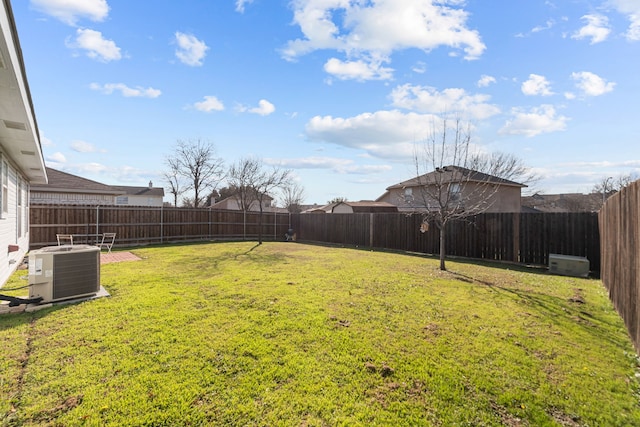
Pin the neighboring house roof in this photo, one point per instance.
(321, 209)
(140, 191)
(363, 206)
(18, 127)
(368, 206)
(567, 202)
(63, 182)
(456, 174)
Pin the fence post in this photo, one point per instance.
(162, 224)
(371, 229)
(98, 219)
(516, 237)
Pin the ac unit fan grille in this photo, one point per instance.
(75, 274)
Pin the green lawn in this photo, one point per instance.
(298, 335)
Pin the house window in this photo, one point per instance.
(408, 195)
(122, 200)
(19, 212)
(454, 191)
(26, 206)
(5, 189)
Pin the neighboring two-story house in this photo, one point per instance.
(464, 187)
(21, 159)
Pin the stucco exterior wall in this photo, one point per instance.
(504, 199)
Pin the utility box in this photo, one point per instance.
(568, 265)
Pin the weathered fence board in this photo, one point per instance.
(619, 222)
(526, 238)
(143, 225)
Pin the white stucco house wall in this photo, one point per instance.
(21, 159)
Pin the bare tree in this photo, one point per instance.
(254, 183)
(337, 200)
(453, 182)
(505, 166)
(610, 185)
(293, 196)
(173, 178)
(196, 162)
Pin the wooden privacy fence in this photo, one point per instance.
(516, 237)
(620, 230)
(145, 225)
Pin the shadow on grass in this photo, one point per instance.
(560, 311)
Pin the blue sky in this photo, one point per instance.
(338, 91)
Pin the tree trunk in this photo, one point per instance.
(260, 224)
(442, 246)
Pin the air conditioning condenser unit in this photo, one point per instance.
(568, 265)
(64, 272)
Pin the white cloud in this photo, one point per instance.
(210, 103)
(596, 28)
(84, 147)
(57, 157)
(338, 165)
(190, 51)
(547, 26)
(46, 142)
(69, 11)
(357, 70)
(419, 68)
(96, 46)
(631, 8)
(240, 4)
(485, 80)
(425, 99)
(383, 134)
(264, 108)
(543, 119)
(126, 91)
(91, 168)
(536, 85)
(372, 31)
(591, 84)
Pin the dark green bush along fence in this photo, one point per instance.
(144, 225)
(620, 230)
(526, 238)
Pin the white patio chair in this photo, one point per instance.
(64, 239)
(107, 240)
